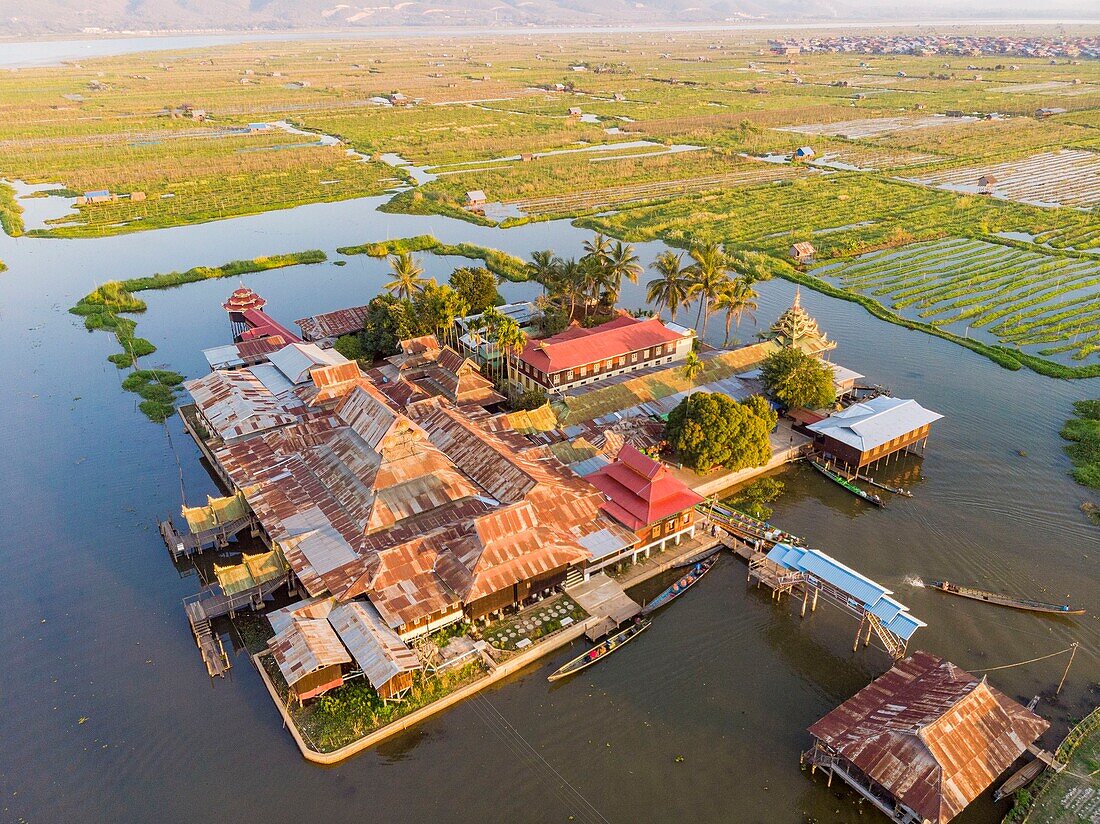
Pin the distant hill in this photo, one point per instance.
(35, 17)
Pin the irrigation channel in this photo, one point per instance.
(109, 716)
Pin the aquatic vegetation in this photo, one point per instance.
(1083, 433)
(499, 263)
(103, 309)
(755, 498)
(11, 213)
(158, 388)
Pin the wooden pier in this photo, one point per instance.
(184, 545)
(211, 602)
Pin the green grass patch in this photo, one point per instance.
(385, 248)
(1083, 433)
(499, 263)
(11, 213)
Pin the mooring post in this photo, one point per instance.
(813, 608)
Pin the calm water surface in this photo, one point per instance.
(108, 715)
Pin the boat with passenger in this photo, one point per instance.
(601, 650)
(1004, 600)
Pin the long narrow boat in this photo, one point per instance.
(1023, 776)
(698, 557)
(1003, 600)
(895, 489)
(689, 579)
(745, 525)
(869, 497)
(600, 651)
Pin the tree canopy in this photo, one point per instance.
(388, 321)
(476, 286)
(711, 429)
(798, 380)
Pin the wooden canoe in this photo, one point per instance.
(686, 582)
(840, 480)
(1003, 600)
(601, 651)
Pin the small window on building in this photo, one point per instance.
(685, 518)
(633, 357)
(568, 376)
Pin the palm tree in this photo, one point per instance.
(621, 264)
(574, 282)
(670, 290)
(595, 260)
(543, 269)
(488, 324)
(736, 298)
(708, 273)
(510, 340)
(408, 277)
(692, 366)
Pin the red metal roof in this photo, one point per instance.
(933, 735)
(577, 346)
(641, 490)
(262, 325)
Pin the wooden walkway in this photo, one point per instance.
(209, 603)
(184, 545)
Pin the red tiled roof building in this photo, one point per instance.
(644, 495)
(580, 356)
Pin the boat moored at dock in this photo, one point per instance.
(601, 651)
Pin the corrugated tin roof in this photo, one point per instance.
(333, 324)
(875, 422)
(374, 646)
(237, 403)
(305, 646)
(296, 360)
(933, 735)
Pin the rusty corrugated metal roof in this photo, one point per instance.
(333, 324)
(933, 735)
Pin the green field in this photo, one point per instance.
(1043, 303)
(670, 138)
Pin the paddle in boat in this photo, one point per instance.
(686, 582)
(840, 480)
(601, 650)
(1003, 600)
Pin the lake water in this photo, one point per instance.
(108, 714)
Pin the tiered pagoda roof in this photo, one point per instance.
(796, 325)
(242, 300)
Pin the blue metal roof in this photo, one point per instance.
(905, 625)
(829, 569)
(588, 465)
(863, 592)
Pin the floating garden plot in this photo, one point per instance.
(1045, 304)
(1070, 177)
(874, 126)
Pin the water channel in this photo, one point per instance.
(108, 714)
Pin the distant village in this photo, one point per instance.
(1069, 46)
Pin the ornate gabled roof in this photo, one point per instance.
(242, 299)
(795, 324)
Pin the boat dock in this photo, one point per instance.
(211, 602)
(789, 569)
(184, 545)
(605, 599)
